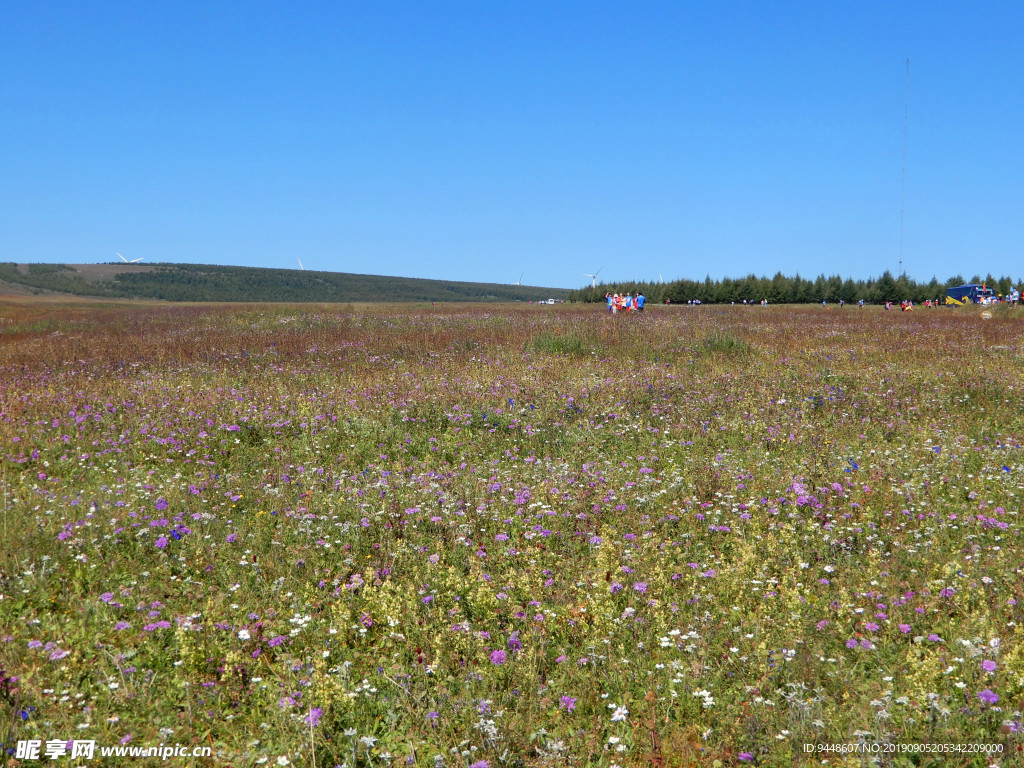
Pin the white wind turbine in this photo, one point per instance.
(520, 280)
(661, 279)
(133, 261)
(593, 277)
(300, 263)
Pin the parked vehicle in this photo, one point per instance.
(972, 293)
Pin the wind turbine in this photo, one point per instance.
(520, 280)
(133, 261)
(300, 263)
(661, 279)
(593, 277)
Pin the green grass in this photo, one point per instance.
(562, 344)
(726, 344)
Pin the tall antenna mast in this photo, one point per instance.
(903, 179)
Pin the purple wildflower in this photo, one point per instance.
(498, 657)
(568, 703)
(314, 717)
(988, 697)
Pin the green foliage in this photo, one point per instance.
(781, 289)
(50, 277)
(48, 269)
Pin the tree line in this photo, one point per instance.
(782, 289)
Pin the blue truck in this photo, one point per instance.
(972, 293)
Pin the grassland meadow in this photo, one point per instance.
(479, 537)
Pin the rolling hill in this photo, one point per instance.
(207, 282)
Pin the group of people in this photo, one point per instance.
(618, 302)
(908, 306)
(624, 303)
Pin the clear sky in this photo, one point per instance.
(482, 140)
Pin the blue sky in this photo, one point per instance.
(481, 140)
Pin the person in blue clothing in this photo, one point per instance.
(640, 302)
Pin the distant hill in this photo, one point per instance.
(207, 282)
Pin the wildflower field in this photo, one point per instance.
(513, 536)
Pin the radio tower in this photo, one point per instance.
(903, 179)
